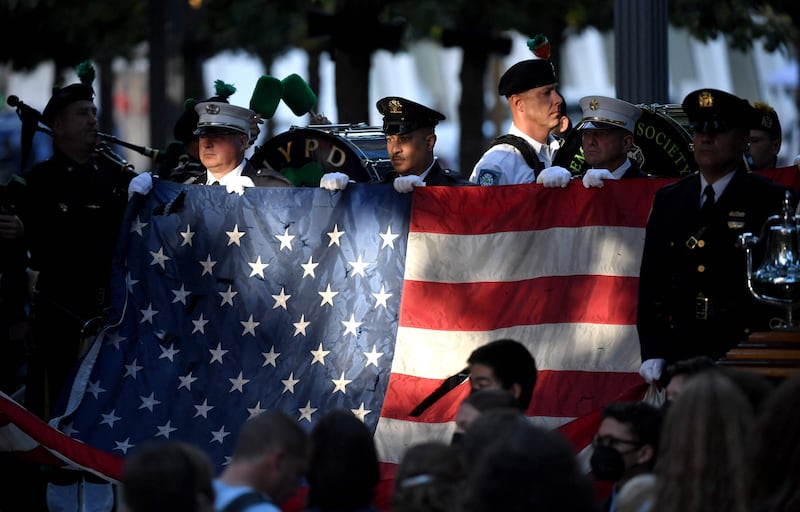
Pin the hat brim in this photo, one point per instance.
(399, 128)
(597, 125)
(218, 130)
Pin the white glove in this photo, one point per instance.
(140, 184)
(238, 184)
(405, 184)
(651, 370)
(553, 177)
(334, 181)
(594, 177)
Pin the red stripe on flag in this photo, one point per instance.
(443, 306)
(564, 394)
(480, 210)
(46, 445)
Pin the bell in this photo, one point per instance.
(777, 280)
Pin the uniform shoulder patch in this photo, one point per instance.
(488, 177)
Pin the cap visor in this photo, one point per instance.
(217, 130)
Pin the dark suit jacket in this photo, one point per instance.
(260, 177)
(437, 177)
(688, 261)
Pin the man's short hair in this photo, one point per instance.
(644, 419)
(269, 430)
(511, 363)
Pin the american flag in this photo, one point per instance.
(304, 299)
(278, 299)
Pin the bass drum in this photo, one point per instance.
(662, 144)
(304, 154)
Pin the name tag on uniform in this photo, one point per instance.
(735, 220)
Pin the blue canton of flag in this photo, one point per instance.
(231, 305)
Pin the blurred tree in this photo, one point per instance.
(71, 32)
(101, 30)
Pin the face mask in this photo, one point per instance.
(607, 464)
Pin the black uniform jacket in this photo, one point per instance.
(437, 177)
(260, 177)
(72, 224)
(693, 297)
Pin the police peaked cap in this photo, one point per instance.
(712, 110)
(401, 116)
(526, 75)
(65, 96)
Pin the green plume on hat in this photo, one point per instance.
(189, 104)
(223, 90)
(86, 72)
(540, 46)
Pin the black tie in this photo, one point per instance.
(708, 203)
(217, 183)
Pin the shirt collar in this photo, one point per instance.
(235, 173)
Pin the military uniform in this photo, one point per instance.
(693, 298)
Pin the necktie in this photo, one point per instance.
(708, 203)
(217, 183)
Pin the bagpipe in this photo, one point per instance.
(302, 154)
(30, 118)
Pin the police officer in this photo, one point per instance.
(410, 140)
(525, 154)
(77, 199)
(693, 298)
(607, 128)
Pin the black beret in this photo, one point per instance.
(63, 97)
(711, 110)
(526, 75)
(401, 116)
(767, 119)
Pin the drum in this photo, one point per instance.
(662, 144)
(304, 154)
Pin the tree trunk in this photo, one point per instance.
(352, 86)
(472, 108)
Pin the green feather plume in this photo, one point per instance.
(223, 90)
(86, 72)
